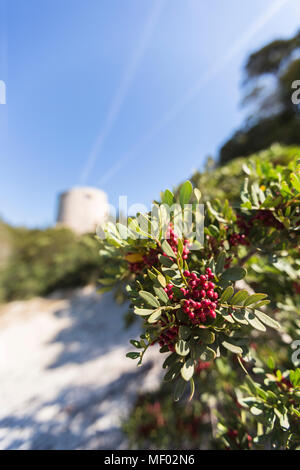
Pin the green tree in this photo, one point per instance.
(270, 74)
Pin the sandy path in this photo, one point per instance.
(65, 381)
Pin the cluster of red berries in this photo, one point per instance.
(267, 219)
(243, 224)
(264, 217)
(136, 267)
(201, 297)
(173, 242)
(168, 337)
(238, 239)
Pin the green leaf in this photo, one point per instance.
(184, 332)
(179, 246)
(171, 273)
(165, 261)
(239, 297)
(226, 294)
(161, 294)
(149, 298)
(220, 262)
(247, 205)
(234, 274)
(232, 347)
(262, 393)
(296, 412)
(179, 389)
(251, 384)
(135, 343)
(254, 322)
(197, 194)
(167, 249)
(267, 320)
(256, 411)
(239, 316)
(206, 336)
(228, 317)
(167, 197)
(185, 193)
(187, 371)
(162, 280)
(279, 375)
(254, 194)
(143, 311)
(182, 348)
(295, 182)
(192, 386)
(155, 316)
(214, 213)
(208, 354)
(285, 189)
(295, 377)
(262, 303)
(246, 169)
(171, 359)
(284, 421)
(271, 363)
(252, 299)
(214, 231)
(272, 398)
(133, 355)
(173, 371)
(151, 275)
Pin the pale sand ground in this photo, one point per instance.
(65, 380)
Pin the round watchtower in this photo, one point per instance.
(81, 209)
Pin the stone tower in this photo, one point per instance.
(82, 208)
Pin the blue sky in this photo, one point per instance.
(126, 95)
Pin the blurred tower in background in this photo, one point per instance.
(81, 209)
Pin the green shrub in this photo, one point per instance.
(196, 311)
(41, 261)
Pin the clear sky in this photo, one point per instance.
(126, 95)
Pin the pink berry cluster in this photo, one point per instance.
(267, 219)
(168, 337)
(173, 242)
(264, 217)
(136, 267)
(200, 296)
(238, 239)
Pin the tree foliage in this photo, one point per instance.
(270, 74)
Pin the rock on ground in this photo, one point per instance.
(65, 380)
